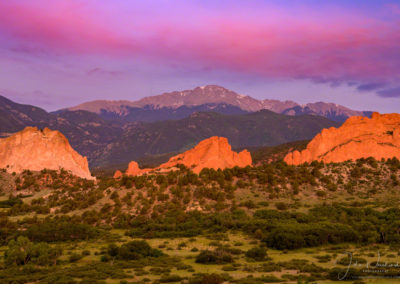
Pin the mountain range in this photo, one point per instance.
(114, 133)
(179, 104)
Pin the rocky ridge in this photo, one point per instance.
(359, 137)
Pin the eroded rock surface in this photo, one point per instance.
(214, 152)
(359, 137)
(34, 149)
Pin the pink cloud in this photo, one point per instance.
(329, 45)
(62, 25)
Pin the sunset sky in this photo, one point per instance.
(60, 53)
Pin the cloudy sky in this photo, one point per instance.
(60, 53)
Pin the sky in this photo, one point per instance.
(56, 54)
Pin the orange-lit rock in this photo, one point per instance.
(35, 150)
(359, 137)
(134, 170)
(214, 152)
(118, 174)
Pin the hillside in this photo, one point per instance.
(270, 154)
(14, 117)
(263, 128)
(180, 226)
(150, 113)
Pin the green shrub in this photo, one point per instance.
(212, 279)
(257, 253)
(133, 250)
(218, 256)
(170, 278)
(281, 206)
(74, 257)
(22, 251)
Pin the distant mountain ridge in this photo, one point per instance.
(147, 109)
(14, 117)
(329, 110)
(150, 114)
(114, 141)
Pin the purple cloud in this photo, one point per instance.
(390, 93)
(336, 45)
(102, 72)
(82, 50)
(370, 86)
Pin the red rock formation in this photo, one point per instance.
(359, 137)
(118, 174)
(214, 152)
(133, 170)
(34, 149)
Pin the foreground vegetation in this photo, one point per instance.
(267, 224)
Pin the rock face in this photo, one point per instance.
(34, 149)
(359, 137)
(214, 152)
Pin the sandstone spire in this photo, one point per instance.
(34, 149)
(359, 137)
(133, 170)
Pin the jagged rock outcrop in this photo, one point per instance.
(133, 170)
(118, 174)
(34, 149)
(359, 137)
(214, 152)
